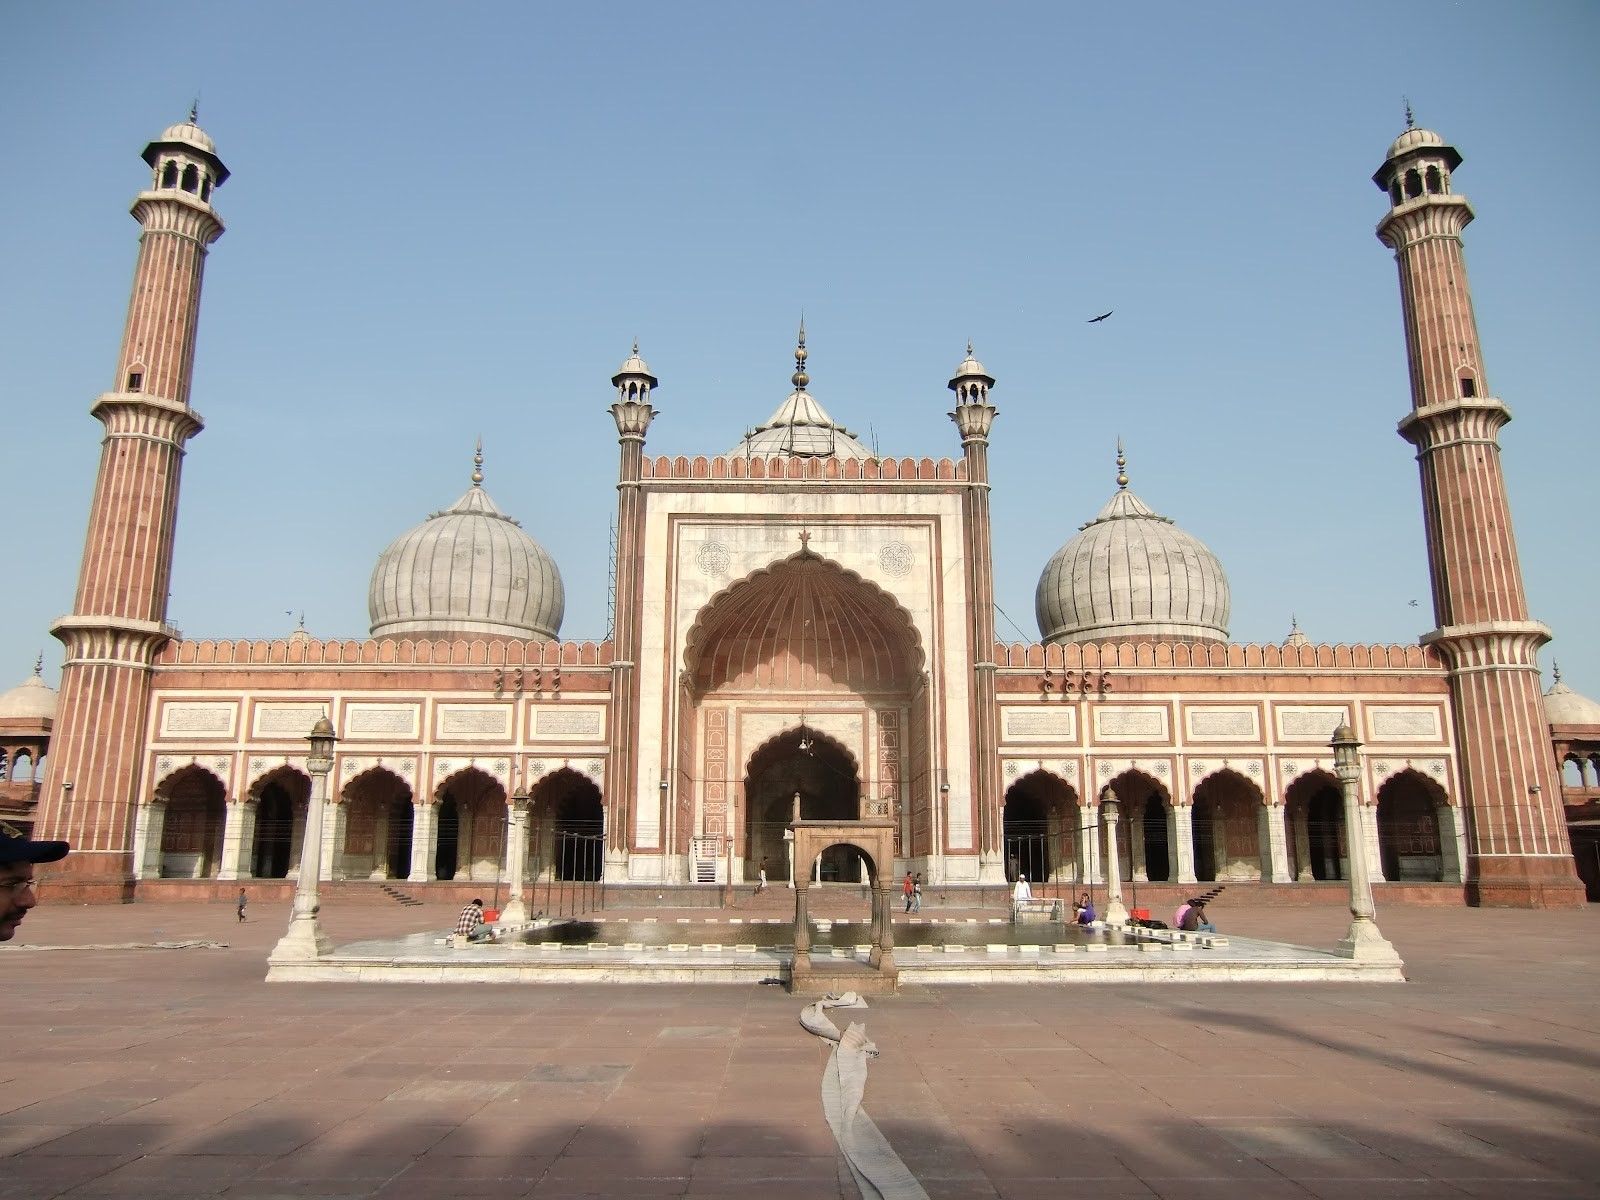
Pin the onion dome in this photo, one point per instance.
(30, 700)
(634, 367)
(801, 428)
(1132, 574)
(1296, 636)
(1562, 705)
(469, 571)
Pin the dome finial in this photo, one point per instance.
(1555, 671)
(194, 110)
(477, 464)
(800, 378)
(1122, 467)
(969, 347)
(1411, 120)
(38, 666)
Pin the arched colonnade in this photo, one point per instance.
(1226, 830)
(373, 829)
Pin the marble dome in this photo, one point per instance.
(1562, 705)
(30, 700)
(469, 571)
(1132, 574)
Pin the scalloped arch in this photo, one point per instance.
(804, 623)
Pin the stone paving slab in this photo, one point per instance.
(145, 1073)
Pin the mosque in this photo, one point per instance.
(802, 628)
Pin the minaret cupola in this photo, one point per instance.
(184, 159)
(1417, 166)
(974, 415)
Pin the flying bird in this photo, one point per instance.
(1101, 317)
(1413, 603)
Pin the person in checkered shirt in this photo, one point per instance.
(470, 924)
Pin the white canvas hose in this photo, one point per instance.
(878, 1170)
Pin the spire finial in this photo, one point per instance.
(1411, 120)
(969, 347)
(477, 464)
(194, 110)
(38, 666)
(800, 378)
(1122, 467)
(636, 347)
(1555, 670)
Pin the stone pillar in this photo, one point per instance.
(1089, 844)
(237, 830)
(514, 909)
(1301, 821)
(1116, 911)
(1452, 843)
(1369, 842)
(1138, 869)
(1182, 839)
(1272, 818)
(1363, 941)
(152, 823)
(882, 955)
(424, 839)
(380, 843)
(802, 920)
(333, 821)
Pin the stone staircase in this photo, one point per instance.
(399, 897)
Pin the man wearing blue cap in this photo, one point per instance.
(18, 854)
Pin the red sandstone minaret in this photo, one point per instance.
(1517, 844)
(633, 415)
(118, 618)
(974, 417)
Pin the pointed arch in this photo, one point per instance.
(1409, 843)
(191, 831)
(1314, 808)
(280, 795)
(1146, 812)
(471, 826)
(1227, 817)
(797, 768)
(1042, 822)
(379, 810)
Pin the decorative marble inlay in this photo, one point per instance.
(475, 720)
(712, 558)
(1130, 723)
(198, 720)
(287, 720)
(1055, 724)
(381, 720)
(1405, 724)
(895, 559)
(555, 722)
(1222, 723)
(1317, 723)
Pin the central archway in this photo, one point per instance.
(807, 776)
(803, 634)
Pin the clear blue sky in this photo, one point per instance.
(452, 220)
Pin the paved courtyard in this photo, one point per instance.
(179, 1073)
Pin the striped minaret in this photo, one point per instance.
(974, 417)
(1517, 846)
(118, 618)
(633, 415)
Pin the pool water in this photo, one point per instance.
(824, 935)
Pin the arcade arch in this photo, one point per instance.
(379, 817)
(1042, 823)
(471, 827)
(191, 831)
(1409, 844)
(1148, 822)
(1315, 810)
(280, 819)
(1228, 844)
(566, 828)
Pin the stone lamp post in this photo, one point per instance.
(305, 937)
(1116, 911)
(515, 911)
(1363, 943)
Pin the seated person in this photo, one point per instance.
(1195, 920)
(1084, 910)
(1183, 911)
(470, 924)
